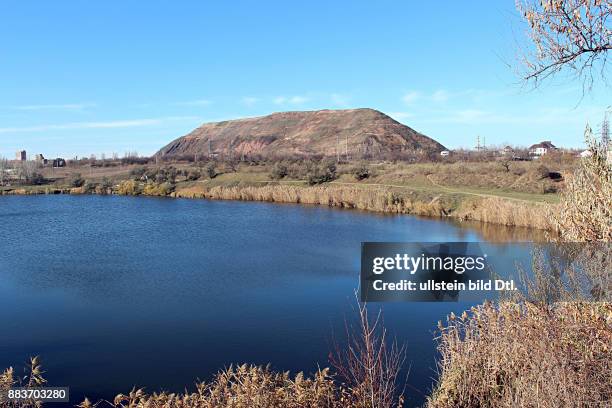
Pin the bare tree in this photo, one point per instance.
(4, 165)
(505, 163)
(566, 35)
(369, 364)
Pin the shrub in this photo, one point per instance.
(88, 187)
(76, 180)
(128, 187)
(279, 171)
(361, 173)
(164, 174)
(138, 172)
(542, 171)
(300, 169)
(155, 189)
(105, 187)
(36, 179)
(193, 175)
(211, 171)
(322, 173)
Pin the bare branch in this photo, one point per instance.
(566, 35)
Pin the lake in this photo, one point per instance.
(114, 292)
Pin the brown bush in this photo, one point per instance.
(585, 213)
(523, 355)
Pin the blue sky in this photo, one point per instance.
(81, 78)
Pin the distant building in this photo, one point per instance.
(506, 151)
(586, 153)
(41, 159)
(542, 148)
(21, 155)
(444, 153)
(59, 162)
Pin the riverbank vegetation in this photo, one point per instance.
(551, 345)
(517, 194)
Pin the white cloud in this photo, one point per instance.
(249, 100)
(99, 125)
(197, 102)
(65, 106)
(411, 97)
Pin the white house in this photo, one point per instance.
(444, 153)
(586, 153)
(542, 148)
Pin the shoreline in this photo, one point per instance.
(489, 210)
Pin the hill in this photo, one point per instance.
(356, 132)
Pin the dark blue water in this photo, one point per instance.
(115, 292)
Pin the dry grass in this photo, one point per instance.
(241, 387)
(8, 380)
(523, 177)
(551, 346)
(523, 355)
(508, 212)
(491, 210)
(374, 199)
(586, 206)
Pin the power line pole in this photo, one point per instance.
(605, 130)
(338, 147)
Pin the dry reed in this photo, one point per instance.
(373, 199)
(523, 355)
(510, 213)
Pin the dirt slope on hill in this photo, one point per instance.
(356, 132)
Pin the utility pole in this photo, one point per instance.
(338, 147)
(605, 130)
(478, 143)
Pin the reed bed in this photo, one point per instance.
(493, 210)
(490, 210)
(372, 199)
(509, 213)
(526, 355)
